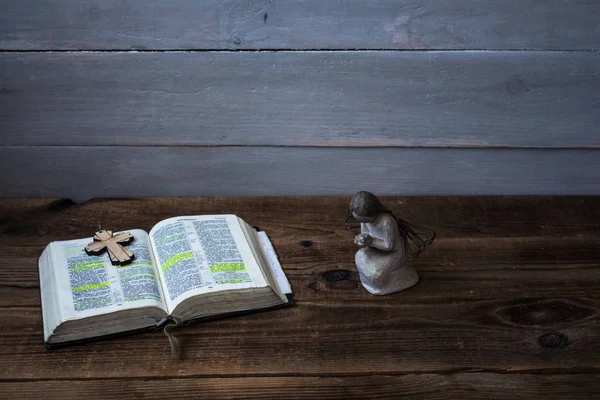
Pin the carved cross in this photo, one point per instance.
(104, 240)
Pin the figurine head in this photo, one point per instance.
(365, 207)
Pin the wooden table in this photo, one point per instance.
(507, 307)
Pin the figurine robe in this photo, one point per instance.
(383, 264)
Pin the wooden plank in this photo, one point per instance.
(531, 236)
(410, 386)
(486, 299)
(309, 24)
(471, 217)
(331, 338)
(374, 99)
(459, 255)
(306, 223)
(22, 207)
(502, 269)
(443, 273)
(520, 228)
(542, 241)
(255, 171)
(291, 220)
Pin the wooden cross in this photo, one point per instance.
(104, 240)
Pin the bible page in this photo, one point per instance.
(201, 254)
(277, 271)
(91, 285)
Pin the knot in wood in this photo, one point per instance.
(544, 312)
(336, 275)
(516, 86)
(306, 243)
(553, 340)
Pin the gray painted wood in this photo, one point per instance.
(196, 171)
(364, 98)
(308, 24)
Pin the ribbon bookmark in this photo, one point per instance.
(171, 324)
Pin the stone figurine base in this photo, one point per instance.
(380, 279)
(404, 278)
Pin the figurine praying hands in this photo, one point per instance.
(385, 244)
(363, 239)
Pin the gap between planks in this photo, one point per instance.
(547, 372)
(314, 146)
(313, 50)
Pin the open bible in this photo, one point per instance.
(186, 268)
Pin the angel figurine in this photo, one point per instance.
(385, 243)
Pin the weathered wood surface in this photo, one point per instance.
(410, 386)
(345, 99)
(310, 24)
(507, 303)
(502, 74)
(183, 171)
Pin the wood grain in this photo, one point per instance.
(461, 269)
(190, 171)
(478, 237)
(372, 99)
(509, 287)
(318, 219)
(308, 24)
(328, 337)
(410, 386)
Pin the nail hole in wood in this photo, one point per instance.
(553, 340)
(336, 275)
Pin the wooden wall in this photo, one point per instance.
(315, 97)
